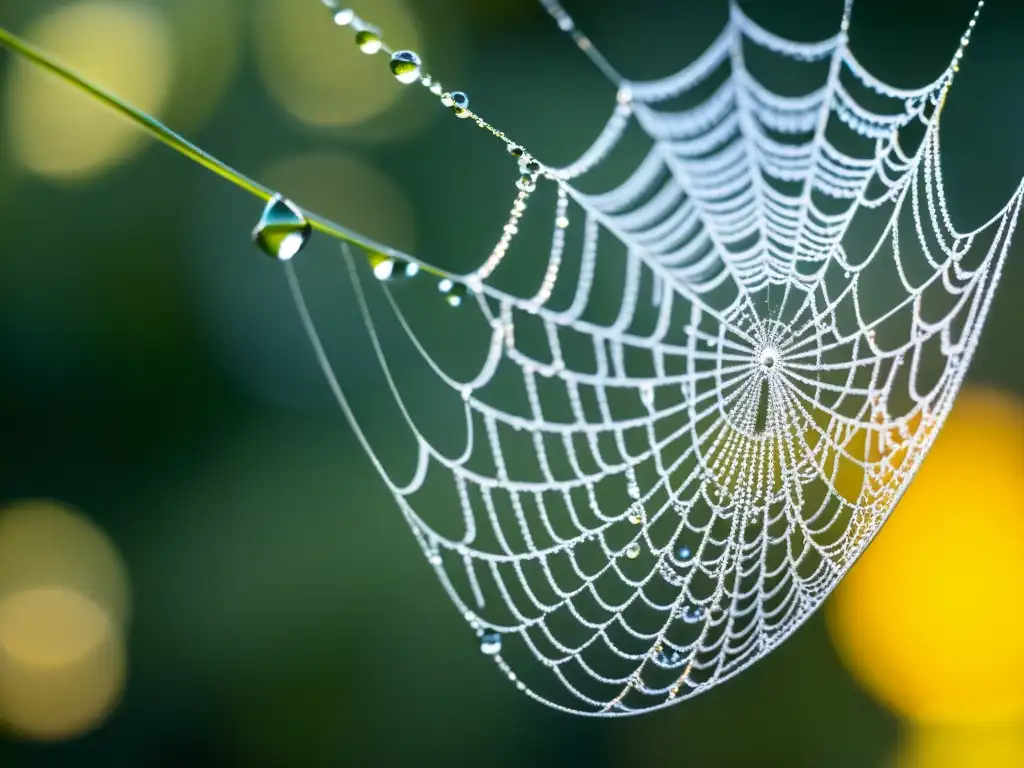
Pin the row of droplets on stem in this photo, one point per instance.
(283, 230)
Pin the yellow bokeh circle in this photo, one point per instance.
(931, 620)
(998, 746)
(51, 626)
(63, 608)
(314, 69)
(59, 132)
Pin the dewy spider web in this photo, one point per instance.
(719, 470)
(656, 484)
(729, 441)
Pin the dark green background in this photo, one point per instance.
(282, 614)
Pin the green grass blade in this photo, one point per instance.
(184, 147)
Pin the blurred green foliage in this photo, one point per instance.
(153, 373)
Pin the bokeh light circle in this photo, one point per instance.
(314, 70)
(61, 133)
(931, 620)
(63, 607)
(51, 626)
(45, 702)
(999, 746)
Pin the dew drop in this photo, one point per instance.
(526, 183)
(454, 293)
(633, 551)
(344, 17)
(282, 230)
(636, 514)
(405, 66)
(389, 269)
(369, 42)
(691, 614)
(562, 222)
(515, 150)
(459, 99)
(490, 643)
(647, 396)
(529, 165)
(668, 658)
(632, 487)
(683, 554)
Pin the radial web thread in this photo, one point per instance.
(707, 461)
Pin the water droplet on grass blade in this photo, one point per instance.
(390, 269)
(282, 230)
(454, 293)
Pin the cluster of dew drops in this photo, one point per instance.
(283, 230)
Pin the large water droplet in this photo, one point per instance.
(683, 554)
(387, 268)
(369, 42)
(490, 643)
(405, 66)
(282, 230)
(633, 551)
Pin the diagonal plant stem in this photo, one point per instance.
(184, 147)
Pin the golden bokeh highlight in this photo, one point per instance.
(63, 609)
(59, 132)
(313, 68)
(931, 620)
(963, 747)
(346, 188)
(51, 626)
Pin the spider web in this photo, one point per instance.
(657, 476)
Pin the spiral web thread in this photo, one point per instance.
(730, 442)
